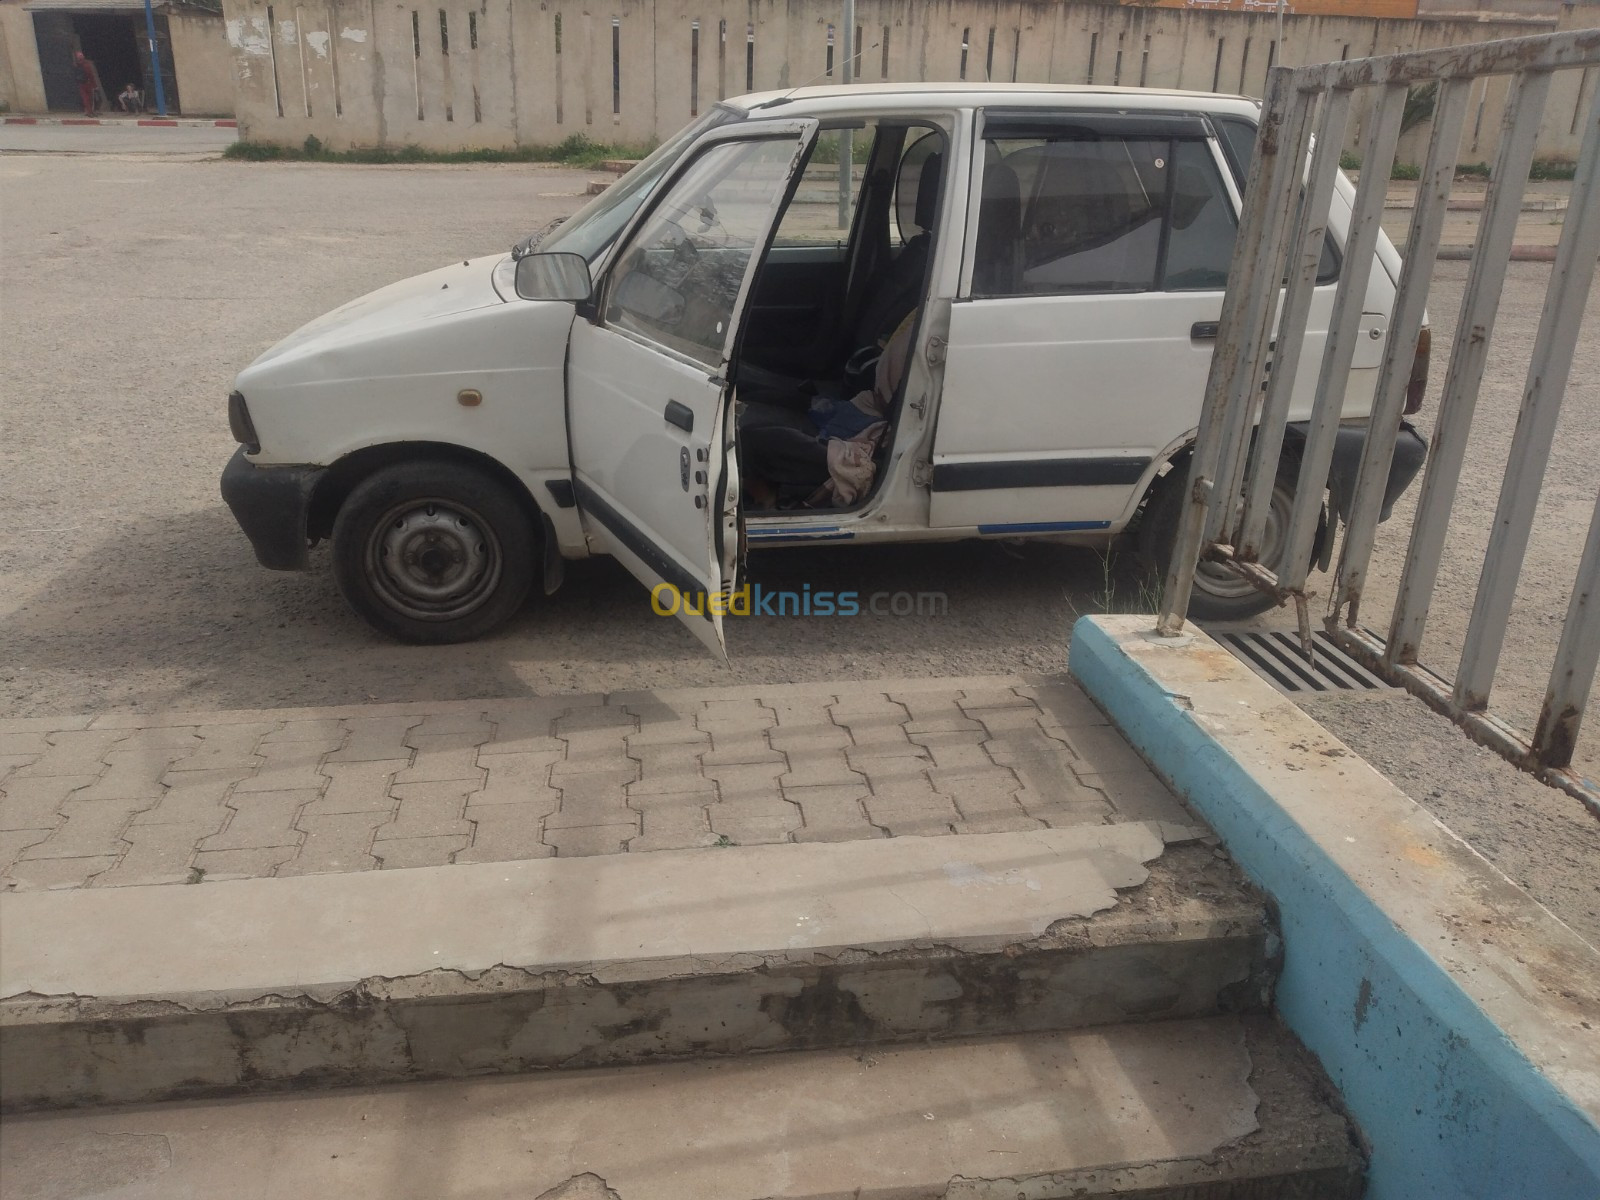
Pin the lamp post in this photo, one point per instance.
(155, 59)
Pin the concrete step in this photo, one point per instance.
(1200, 1110)
(139, 993)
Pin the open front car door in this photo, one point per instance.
(649, 405)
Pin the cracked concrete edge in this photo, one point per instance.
(1132, 962)
(1164, 907)
(1455, 1014)
(1304, 1145)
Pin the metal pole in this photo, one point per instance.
(1572, 677)
(155, 59)
(847, 157)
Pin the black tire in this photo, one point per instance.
(433, 552)
(1218, 594)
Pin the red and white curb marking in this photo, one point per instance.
(166, 123)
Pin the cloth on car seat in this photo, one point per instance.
(852, 461)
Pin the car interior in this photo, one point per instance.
(824, 304)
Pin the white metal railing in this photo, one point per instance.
(1242, 425)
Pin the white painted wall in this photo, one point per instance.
(377, 72)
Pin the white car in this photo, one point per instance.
(1052, 258)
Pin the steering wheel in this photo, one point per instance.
(862, 362)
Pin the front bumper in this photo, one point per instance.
(1410, 449)
(272, 506)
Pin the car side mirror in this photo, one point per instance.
(553, 276)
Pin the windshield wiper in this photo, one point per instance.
(531, 243)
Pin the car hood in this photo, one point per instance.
(401, 307)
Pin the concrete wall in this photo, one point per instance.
(204, 66)
(21, 85)
(498, 74)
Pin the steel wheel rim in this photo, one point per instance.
(1224, 584)
(433, 559)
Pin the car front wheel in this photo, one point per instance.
(433, 552)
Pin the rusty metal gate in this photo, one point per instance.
(1242, 424)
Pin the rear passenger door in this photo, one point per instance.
(1098, 251)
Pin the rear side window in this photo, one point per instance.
(1101, 214)
(1238, 139)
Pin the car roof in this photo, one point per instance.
(828, 98)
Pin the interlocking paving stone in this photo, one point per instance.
(355, 787)
(130, 775)
(256, 863)
(427, 810)
(23, 744)
(375, 739)
(522, 778)
(14, 841)
(93, 829)
(440, 757)
(674, 767)
(314, 729)
(832, 814)
(12, 763)
(673, 828)
(261, 819)
(245, 794)
(582, 840)
(57, 872)
(73, 752)
(504, 833)
(749, 821)
(226, 747)
(36, 803)
(289, 767)
(153, 856)
(192, 797)
(419, 851)
(598, 798)
(337, 842)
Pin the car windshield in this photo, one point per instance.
(593, 227)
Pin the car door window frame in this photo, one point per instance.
(803, 131)
(997, 123)
(1332, 262)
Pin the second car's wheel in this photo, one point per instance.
(433, 552)
(1218, 593)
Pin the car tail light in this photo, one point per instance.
(244, 430)
(1417, 385)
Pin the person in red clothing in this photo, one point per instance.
(88, 81)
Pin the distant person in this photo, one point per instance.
(88, 81)
(131, 99)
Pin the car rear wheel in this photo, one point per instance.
(1218, 593)
(433, 552)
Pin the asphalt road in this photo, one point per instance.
(132, 288)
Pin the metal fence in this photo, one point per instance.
(1242, 425)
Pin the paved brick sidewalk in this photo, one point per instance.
(180, 798)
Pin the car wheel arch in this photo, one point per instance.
(348, 471)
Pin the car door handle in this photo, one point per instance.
(1203, 331)
(680, 415)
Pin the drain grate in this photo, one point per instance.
(1278, 659)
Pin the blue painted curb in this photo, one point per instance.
(1450, 1107)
